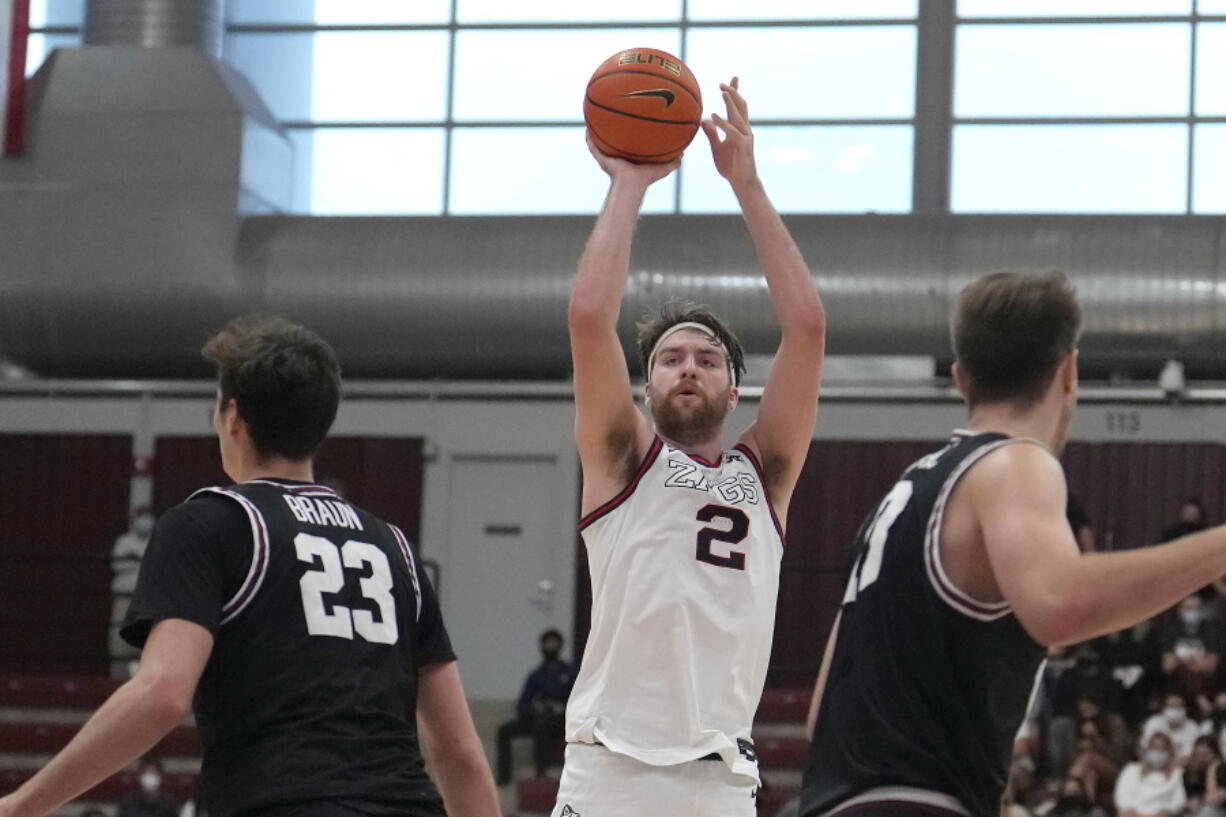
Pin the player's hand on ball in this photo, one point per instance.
(626, 171)
(733, 153)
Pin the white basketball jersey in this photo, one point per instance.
(685, 572)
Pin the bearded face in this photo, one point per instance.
(691, 388)
(689, 417)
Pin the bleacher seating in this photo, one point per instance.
(40, 714)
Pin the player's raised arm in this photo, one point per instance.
(610, 432)
(788, 410)
(1059, 595)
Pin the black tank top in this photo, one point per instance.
(310, 691)
(927, 686)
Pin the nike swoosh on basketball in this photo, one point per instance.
(663, 93)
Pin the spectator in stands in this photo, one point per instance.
(1205, 763)
(1152, 786)
(1070, 675)
(125, 564)
(1192, 647)
(1075, 801)
(541, 711)
(1020, 792)
(1174, 724)
(1214, 804)
(1191, 519)
(149, 800)
(1134, 660)
(1103, 746)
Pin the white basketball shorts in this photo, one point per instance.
(597, 782)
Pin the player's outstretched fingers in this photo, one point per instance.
(738, 108)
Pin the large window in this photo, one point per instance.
(1085, 106)
(503, 85)
(474, 106)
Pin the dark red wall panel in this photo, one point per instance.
(63, 503)
(381, 474)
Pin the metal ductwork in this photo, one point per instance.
(486, 297)
(156, 23)
(119, 225)
(452, 298)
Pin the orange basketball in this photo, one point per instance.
(644, 105)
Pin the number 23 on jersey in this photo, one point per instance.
(327, 575)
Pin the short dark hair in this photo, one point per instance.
(1011, 332)
(551, 633)
(671, 313)
(284, 379)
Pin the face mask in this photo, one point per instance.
(150, 782)
(1157, 758)
(1175, 715)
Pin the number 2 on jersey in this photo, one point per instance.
(329, 577)
(868, 566)
(737, 530)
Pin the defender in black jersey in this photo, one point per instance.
(304, 627)
(927, 686)
(967, 570)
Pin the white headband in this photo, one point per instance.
(674, 329)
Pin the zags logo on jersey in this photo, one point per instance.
(733, 489)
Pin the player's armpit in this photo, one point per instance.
(1060, 596)
(1018, 496)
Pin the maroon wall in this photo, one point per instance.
(63, 502)
(381, 474)
(1132, 491)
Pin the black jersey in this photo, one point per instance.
(321, 615)
(927, 686)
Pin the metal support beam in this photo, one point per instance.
(934, 80)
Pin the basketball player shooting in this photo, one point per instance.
(967, 571)
(684, 537)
